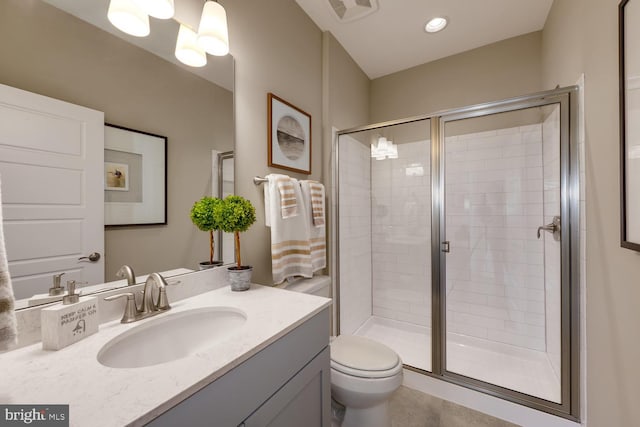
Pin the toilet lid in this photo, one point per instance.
(362, 354)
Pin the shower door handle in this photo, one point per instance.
(554, 228)
(446, 247)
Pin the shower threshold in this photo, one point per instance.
(524, 370)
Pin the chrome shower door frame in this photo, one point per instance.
(567, 99)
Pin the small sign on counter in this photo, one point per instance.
(63, 325)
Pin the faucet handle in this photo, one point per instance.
(163, 301)
(130, 310)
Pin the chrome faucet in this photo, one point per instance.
(148, 306)
(162, 304)
(126, 272)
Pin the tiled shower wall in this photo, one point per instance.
(551, 176)
(494, 204)
(354, 201)
(495, 272)
(401, 217)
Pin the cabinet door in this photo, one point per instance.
(305, 400)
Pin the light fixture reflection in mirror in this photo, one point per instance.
(128, 17)
(161, 9)
(187, 49)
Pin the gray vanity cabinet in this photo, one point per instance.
(287, 384)
(296, 403)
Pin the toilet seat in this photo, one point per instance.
(363, 358)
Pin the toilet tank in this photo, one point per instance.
(317, 285)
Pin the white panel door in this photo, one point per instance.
(51, 163)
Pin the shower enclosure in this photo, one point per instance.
(457, 245)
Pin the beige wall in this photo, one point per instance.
(563, 44)
(500, 70)
(51, 53)
(582, 36)
(346, 93)
(277, 48)
(347, 86)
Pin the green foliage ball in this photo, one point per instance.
(235, 214)
(202, 213)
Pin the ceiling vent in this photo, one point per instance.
(350, 10)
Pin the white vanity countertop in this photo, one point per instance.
(101, 396)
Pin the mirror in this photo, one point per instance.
(629, 14)
(55, 48)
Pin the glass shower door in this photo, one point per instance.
(384, 219)
(502, 250)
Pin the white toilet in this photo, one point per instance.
(364, 373)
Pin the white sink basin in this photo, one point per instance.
(171, 336)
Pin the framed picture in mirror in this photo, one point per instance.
(629, 57)
(289, 136)
(135, 177)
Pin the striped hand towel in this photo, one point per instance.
(317, 203)
(290, 245)
(288, 203)
(313, 197)
(8, 328)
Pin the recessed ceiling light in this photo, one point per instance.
(436, 24)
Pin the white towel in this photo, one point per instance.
(288, 202)
(290, 245)
(8, 328)
(313, 197)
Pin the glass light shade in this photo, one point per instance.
(161, 9)
(213, 34)
(187, 50)
(384, 148)
(128, 17)
(436, 24)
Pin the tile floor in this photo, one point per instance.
(411, 408)
(520, 369)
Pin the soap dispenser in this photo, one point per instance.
(71, 297)
(69, 322)
(56, 289)
(55, 293)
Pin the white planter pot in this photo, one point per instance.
(240, 278)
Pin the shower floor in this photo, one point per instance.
(523, 370)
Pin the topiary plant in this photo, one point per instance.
(234, 215)
(202, 215)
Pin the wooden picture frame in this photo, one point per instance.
(629, 69)
(144, 157)
(289, 141)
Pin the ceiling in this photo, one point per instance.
(162, 40)
(388, 40)
(393, 38)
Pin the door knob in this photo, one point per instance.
(93, 257)
(554, 227)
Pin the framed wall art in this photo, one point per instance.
(629, 57)
(135, 177)
(289, 136)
